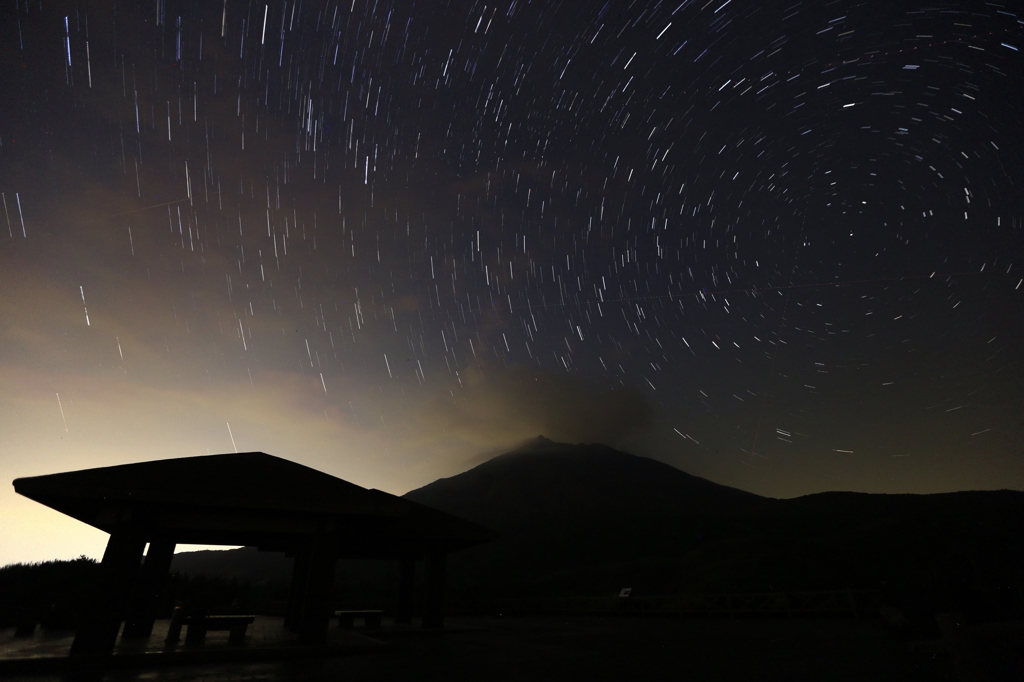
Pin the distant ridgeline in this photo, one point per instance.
(588, 520)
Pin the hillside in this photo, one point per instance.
(587, 519)
(244, 564)
(545, 482)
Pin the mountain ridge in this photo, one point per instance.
(544, 480)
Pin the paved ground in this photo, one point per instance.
(595, 648)
(265, 632)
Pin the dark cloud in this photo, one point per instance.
(570, 409)
(500, 408)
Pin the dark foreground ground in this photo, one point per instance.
(614, 648)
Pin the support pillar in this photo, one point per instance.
(149, 589)
(98, 631)
(406, 590)
(297, 593)
(433, 615)
(316, 611)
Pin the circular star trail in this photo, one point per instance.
(775, 244)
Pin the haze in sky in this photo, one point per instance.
(774, 244)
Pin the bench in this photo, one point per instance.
(25, 628)
(198, 626)
(347, 619)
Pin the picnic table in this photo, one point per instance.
(199, 625)
(371, 618)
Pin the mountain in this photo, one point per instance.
(588, 519)
(245, 564)
(579, 519)
(544, 483)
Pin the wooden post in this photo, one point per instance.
(297, 593)
(433, 616)
(853, 602)
(152, 578)
(98, 631)
(316, 612)
(177, 621)
(406, 590)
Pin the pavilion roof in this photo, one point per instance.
(249, 498)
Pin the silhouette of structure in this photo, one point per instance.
(250, 499)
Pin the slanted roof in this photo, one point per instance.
(248, 498)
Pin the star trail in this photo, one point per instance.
(775, 244)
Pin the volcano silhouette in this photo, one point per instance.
(589, 520)
(543, 483)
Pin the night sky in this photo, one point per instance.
(775, 244)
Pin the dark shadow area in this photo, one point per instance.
(312, 518)
(51, 593)
(598, 648)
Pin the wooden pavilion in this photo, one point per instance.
(250, 499)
